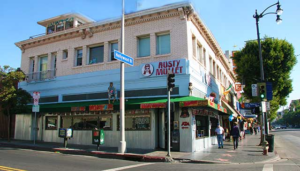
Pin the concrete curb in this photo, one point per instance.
(182, 160)
(100, 154)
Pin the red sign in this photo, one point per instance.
(193, 103)
(153, 105)
(77, 109)
(102, 107)
(238, 87)
(185, 125)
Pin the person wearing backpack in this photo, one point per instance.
(235, 132)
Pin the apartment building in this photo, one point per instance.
(72, 66)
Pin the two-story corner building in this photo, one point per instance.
(73, 64)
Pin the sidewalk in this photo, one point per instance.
(248, 152)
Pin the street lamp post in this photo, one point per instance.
(257, 16)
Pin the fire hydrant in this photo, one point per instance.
(265, 146)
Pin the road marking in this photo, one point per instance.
(9, 169)
(128, 167)
(268, 167)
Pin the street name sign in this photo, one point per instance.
(123, 58)
(35, 108)
(254, 89)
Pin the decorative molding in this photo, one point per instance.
(181, 13)
(82, 33)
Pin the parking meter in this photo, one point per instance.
(98, 137)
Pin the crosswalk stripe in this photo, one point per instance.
(128, 167)
(268, 167)
(10, 169)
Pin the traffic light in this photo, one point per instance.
(262, 91)
(171, 81)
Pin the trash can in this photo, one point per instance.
(270, 139)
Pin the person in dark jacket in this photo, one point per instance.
(235, 132)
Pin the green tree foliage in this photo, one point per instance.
(12, 99)
(278, 62)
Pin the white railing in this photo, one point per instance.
(41, 76)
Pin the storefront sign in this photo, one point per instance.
(185, 125)
(193, 103)
(77, 109)
(204, 112)
(102, 107)
(137, 111)
(153, 105)
(147, 70)
(161, 68)
(238, 87)
(184, 113)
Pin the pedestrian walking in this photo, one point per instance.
(255, 129)
(235, 132)
(220, 132)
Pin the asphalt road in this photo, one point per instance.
(287, 145)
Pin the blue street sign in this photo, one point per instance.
(251, 105)
(123, 58)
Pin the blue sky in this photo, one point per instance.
(230, 21)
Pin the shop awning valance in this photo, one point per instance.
(231, 110)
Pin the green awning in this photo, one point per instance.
(130, 103)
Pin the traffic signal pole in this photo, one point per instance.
(169, 125)
(170, 86)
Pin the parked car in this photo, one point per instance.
(283, 127)
(277, 127)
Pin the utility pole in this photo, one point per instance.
(122, 145)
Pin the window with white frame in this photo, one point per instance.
(144, 46)
(43, 64)
(194, 46)
(199, 53)
(31, 63)
(204, 57)
(96, 54)
(214, 69)
(113, 46)
(78, 58)
(65, 54)
(163, 44)
(210, 65)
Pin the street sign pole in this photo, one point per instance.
(122, 146)
(35, 131)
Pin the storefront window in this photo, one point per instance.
(66, 122)
(214, 123)
(136, 122)
(92, 122)
(201, 126)
(51, 123)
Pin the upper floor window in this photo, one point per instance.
(32, 64)
(78, 61)
(96, 54)
(50, 29)
(113, 47)
(65, 54)
(163, 45)
(43, 63)
(60, 26)
(199, 53)
(144, 46)
(204, 57)
(69, 24)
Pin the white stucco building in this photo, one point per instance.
(72, 66)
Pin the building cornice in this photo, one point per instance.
(212, 42)
(94, 27)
